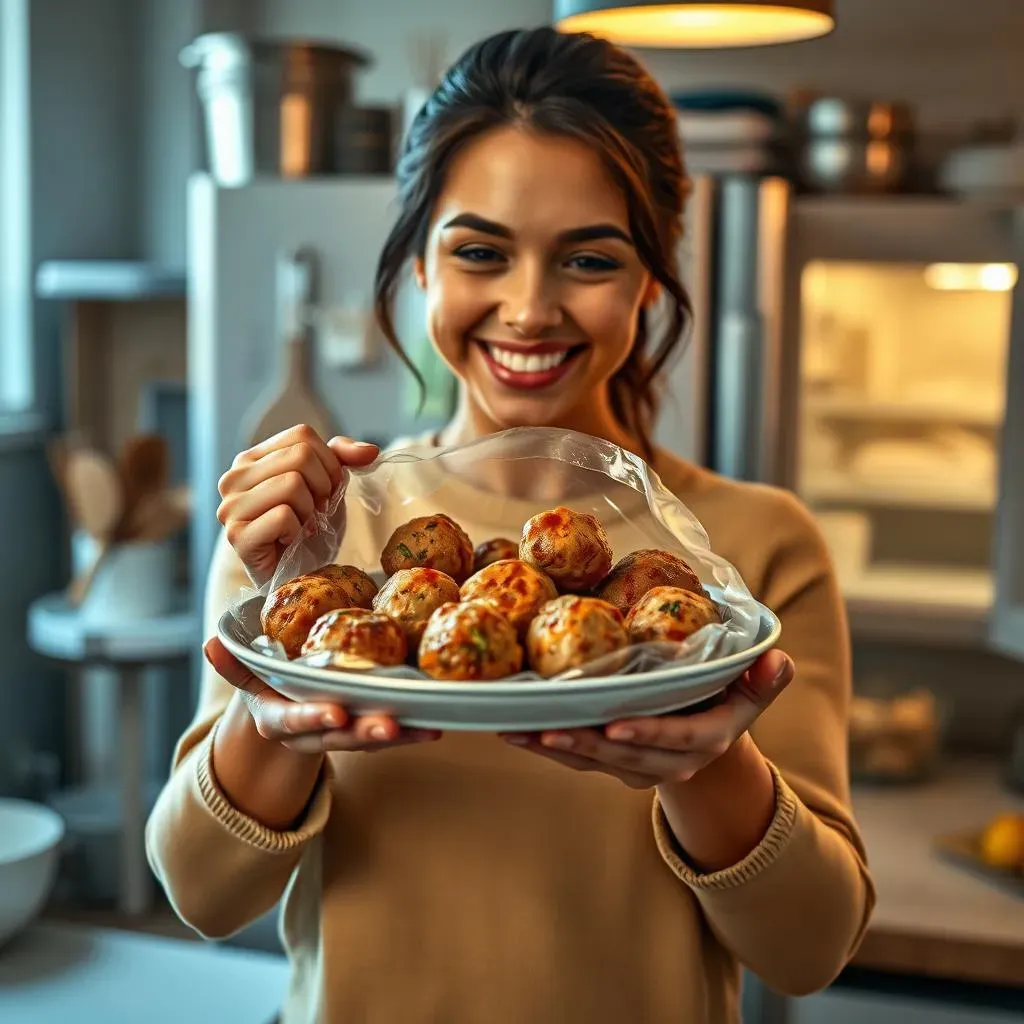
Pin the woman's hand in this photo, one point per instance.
(308, 728)
(271, 491)
(648, 752)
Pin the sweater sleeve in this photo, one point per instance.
(796, 908)
(221, 869)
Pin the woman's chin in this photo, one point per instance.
(535, 411)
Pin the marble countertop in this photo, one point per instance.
(55, 974)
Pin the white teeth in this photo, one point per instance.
(517, 362)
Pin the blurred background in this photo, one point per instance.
(184, 181)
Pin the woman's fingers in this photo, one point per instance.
(230, 669)
(715, 730)
(309, 727)
(353, 453)
(302, 437)
(256, 543)
(298, 460)
(348, 740)
(288, 490)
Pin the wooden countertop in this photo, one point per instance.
(933, 918)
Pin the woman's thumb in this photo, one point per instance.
(230, 669)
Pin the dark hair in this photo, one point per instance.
(587, 89)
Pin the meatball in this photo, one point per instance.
(514, 587)
(411, 596)
(292, 609)
(469, 641)
(571, 547)
(433, 542)
(669, 614)
(571, 631)
(496, 550)
(361, 587)
(360, 634)
(636, 573)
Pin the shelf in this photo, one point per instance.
(59, 631)
(109, 280)
(915, 603)
(849, 492)
(859, 410)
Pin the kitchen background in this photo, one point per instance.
(883, 304)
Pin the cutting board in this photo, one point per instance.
(291, 397)
(961, 849)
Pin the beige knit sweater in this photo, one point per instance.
(469, 882)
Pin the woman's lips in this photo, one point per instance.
(529, 368)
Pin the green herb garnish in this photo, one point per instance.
(672, 607)
(479, 640)
(404, 551)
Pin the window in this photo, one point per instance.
(17, 376)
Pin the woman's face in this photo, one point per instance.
(532, 282)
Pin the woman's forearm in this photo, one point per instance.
(722, 813)
(260, 777)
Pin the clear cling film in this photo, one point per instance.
(491, 487)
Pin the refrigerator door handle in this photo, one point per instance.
(754, 214)
(739, 394)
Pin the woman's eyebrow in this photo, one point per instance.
(589, 233)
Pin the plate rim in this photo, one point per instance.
(502, 688)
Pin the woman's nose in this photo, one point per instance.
(530, 306)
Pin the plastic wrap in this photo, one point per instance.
(491, 487)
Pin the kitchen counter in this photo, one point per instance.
(934, 918)
(56, 974)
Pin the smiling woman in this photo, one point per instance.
(542, 234)
(627, 869)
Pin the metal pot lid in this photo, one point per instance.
(228, 49)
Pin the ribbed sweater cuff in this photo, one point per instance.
(764, 854)
(247, 829)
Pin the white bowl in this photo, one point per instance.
(30, 837)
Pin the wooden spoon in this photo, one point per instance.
(144, 467)
(97, 500)
(160, 515)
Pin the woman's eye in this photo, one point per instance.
(478, 254)
(593, 264)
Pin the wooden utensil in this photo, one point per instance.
(144, 467)
(292, 399)
(97, 501)
(160, 515)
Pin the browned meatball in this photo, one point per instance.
(360, 634)
(433, 542)
(571, 547)
(469, 642)
(514, 587)
(361, 588)
(571, 631)
(411, 596)
(491, 551)
(295, 606)
(669, 614)
(636, 573)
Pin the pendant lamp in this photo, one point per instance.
(694, 24)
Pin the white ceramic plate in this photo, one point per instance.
(498, 706)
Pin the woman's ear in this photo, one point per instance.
(651, 293)
(419, 273)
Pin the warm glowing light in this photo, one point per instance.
(697, 25)
(971, 277)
